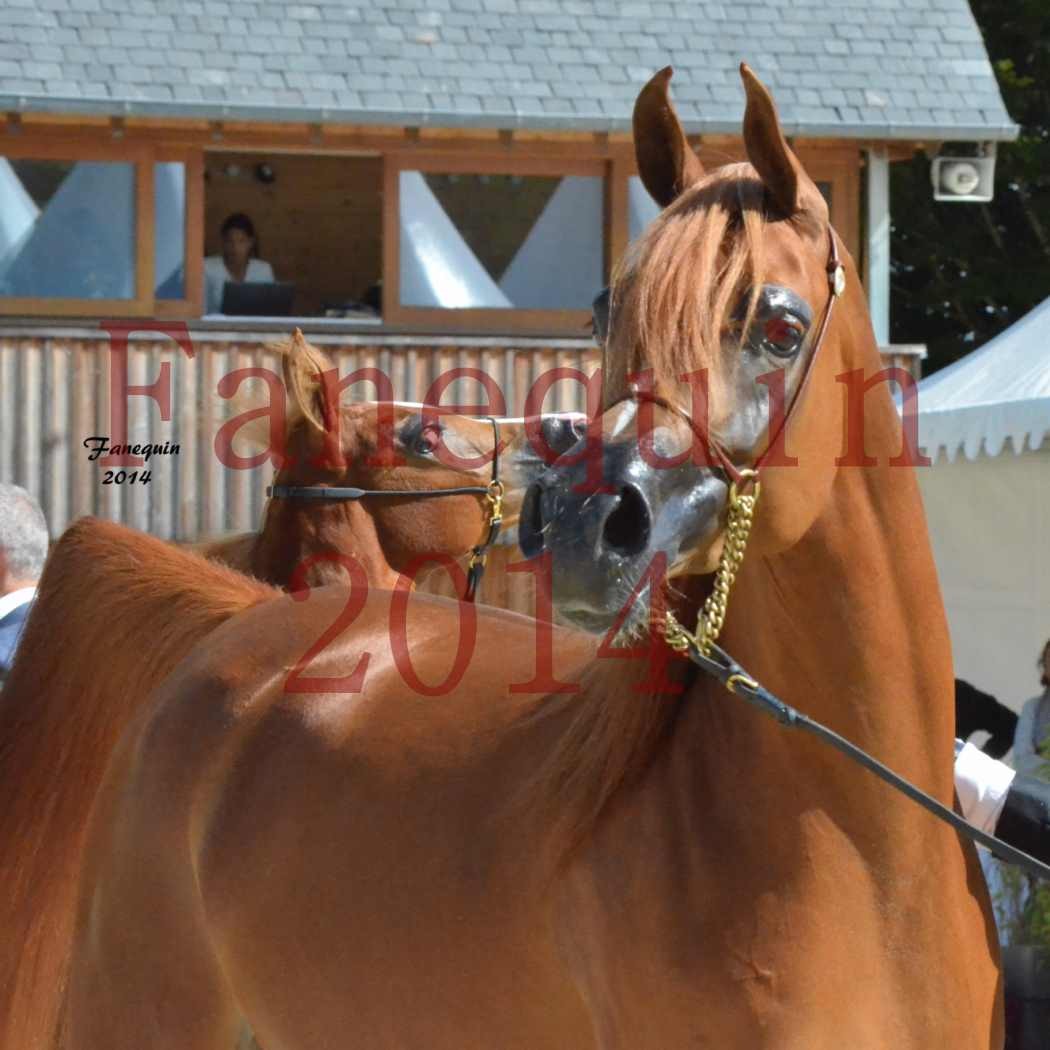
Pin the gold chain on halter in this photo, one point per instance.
(739, 519)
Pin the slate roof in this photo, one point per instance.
(894, 69)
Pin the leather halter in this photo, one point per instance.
(492, 493)
(741, 475)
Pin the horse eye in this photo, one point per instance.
(782, 336)
(428, 439)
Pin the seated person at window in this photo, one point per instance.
(237, 262)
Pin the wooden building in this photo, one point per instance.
(356, 139)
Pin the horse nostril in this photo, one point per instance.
(626, 529)
(530, 522)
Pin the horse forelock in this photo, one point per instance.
(679, 286)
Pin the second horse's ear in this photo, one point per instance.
(666, 162)
(790, 189)
(304, 367)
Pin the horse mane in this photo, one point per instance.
(233, 550)
(614, 733)
(675, 292)
(109, 598)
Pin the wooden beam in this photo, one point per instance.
(391, 241)
(145, 228)
(431, 320)
(616, 222)
(56, 307)
(194, 267)
(502, 163)
(336, 139)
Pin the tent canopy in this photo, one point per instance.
(1000, 391)
(989, 514)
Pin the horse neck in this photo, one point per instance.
(294, 534)
(848, 625)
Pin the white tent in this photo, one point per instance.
(985, 422)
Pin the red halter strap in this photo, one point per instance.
(836, 286)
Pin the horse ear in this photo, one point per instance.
(304, 366)
(789, 187)
(666, 161)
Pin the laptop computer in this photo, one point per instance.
(257, 298)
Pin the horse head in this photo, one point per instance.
(712, 333)
(409, 462)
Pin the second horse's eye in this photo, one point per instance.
(782, 336)
(428, 440)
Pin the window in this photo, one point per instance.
(483, 244)
(94, 228)
(526, 242)
(169, 239)
(641, 208)
(318, 229)
(67, 229)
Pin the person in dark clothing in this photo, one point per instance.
(975, 710)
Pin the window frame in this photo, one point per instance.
(141, 156)
(191, 305)
(597, 156)
(502, 321)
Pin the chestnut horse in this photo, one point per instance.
(302, 540)
(557, 849)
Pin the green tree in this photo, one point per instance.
(961, 273)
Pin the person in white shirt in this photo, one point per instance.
(23, 549)
(237, 262)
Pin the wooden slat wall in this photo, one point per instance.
(54, 393)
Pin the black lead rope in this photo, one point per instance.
(722, 666)
(333, 492)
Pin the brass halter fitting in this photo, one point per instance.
(494, 501)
